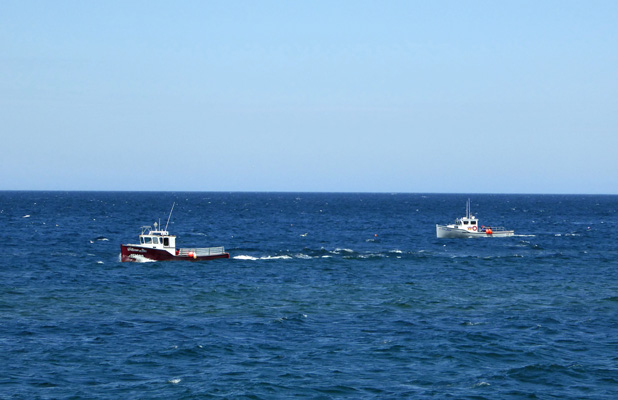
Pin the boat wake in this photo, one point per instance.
(251, 258)
(140, 258)
(308, 254)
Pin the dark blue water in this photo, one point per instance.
(326, 296)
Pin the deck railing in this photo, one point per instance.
(494, 228)
(201, 251)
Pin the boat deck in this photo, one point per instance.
(200, 251)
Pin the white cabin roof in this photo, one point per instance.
(148, 231)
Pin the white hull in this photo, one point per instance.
(447, 232)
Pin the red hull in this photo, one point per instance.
(133, 253)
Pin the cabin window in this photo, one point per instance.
(472, 222)
(155, 240)
(166, 242)
(465, 222)
(141, 239)
(147, 240)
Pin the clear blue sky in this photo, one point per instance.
(368, 96)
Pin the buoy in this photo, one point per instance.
(191, 254)
(489, 231)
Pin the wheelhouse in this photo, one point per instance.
(157, 239)
(470, 224)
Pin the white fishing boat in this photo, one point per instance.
(468, 227)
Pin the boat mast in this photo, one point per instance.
(468, 209)
(170, 216)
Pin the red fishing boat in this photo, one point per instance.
(159, 245)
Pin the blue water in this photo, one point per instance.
(326, 296)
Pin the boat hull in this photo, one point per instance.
(130, 253)
(446, 232)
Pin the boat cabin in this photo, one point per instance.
(157, 239)
(468, 223)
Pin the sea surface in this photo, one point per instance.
(325, 296)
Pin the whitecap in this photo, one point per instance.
(175, 381)
(26, 216)
(370, 255)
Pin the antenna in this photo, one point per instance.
(468, 209)
(168, 218)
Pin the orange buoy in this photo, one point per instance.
(489, 231)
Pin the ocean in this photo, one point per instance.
(325, 296)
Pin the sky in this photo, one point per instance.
(310, 96)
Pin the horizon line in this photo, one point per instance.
(305, 192)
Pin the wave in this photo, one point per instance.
(339, 251)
